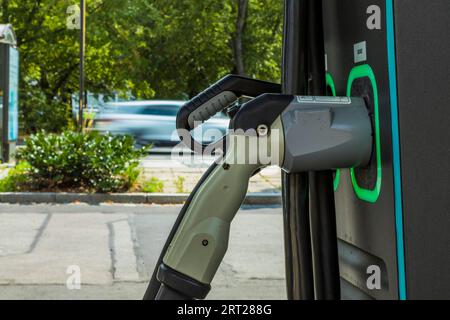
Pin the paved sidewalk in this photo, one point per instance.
(116, 247)
(190, 168)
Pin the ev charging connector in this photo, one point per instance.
(311, 133)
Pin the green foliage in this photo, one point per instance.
(263, 39)
(151, 49)
(16, 178)
(41, 114)
(188, 44)
(154, 185)
(179, 184)
(86, 161)
(131, 175)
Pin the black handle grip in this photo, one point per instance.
(215, 99)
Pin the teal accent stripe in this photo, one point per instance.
(396, 149)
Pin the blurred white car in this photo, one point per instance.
(154, 122)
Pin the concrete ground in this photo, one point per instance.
(189, 168)
(115, 247)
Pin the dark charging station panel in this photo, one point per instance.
(357, 62)
(393, 216)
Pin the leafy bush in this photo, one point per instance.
(154, 185)
(82, 161)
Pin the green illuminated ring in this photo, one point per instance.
(366, 194)
(330, 83)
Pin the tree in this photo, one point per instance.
(242, 8)
(262, 41)
(194, 43)
(151, 49)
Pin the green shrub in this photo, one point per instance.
(83, 161)
(154, 185)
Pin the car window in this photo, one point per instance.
(160, 110)
(156, 110)
(120, 109)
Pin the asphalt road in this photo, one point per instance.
(116, 247)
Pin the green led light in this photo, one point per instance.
(357, 72)
(330, 83)
(337, 177)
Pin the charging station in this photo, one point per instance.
(9, 92)
(392, 216)
(365, 172)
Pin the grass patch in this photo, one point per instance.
(154, 185)
(16, 178)
(179, 184)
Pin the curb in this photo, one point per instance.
(256, 198)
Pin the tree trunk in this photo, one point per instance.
(240, 25)
(5, 11)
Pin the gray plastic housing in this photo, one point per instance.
(323, 133)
